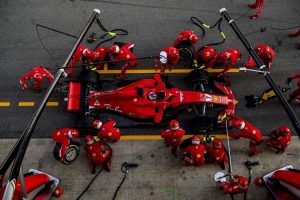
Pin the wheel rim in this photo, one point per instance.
(71, 154)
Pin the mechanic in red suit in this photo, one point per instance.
(107, 131)
(265, 53)
(195, 152)
(295, 96)
(247, 130)
(228, 57)
(64, 136)
(186, 36)
(204, 56)
(82, 53)
(279, 139)
(37, 74)
(217, 152)
(173, 135)
(237, 185)
(98, 153)
(100, 55)
(258, 6)
(295, 34)
(123, 53)
(169, 56)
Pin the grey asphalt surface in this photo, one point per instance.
(152, 25)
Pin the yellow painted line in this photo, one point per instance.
(25, 104)
(4, 104)
(53, 103)
(157, 137)
(151, 71)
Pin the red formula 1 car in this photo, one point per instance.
(150, 99)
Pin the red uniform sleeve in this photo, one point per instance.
(297, 75)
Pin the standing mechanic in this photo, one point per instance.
(295, 96)
(169, 56)
(37, 74)
(258, 6)
(194, 155)
(123, 53)
(64, 136)
(217, 153)
(173, 135)
(107, 131)
(265, 53)
(186, 36)
(228, 57)
(237, 185)
(203, 57)
(247, 130)
(98, 153)
(82, 53)
(100, 55)
(279, 139)
(295, 34)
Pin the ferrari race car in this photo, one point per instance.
(151, 99)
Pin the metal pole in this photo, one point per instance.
(294, 119)
(27, 133)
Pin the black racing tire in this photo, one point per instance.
(186, 51)
(198, 75)
(91, 78)
(56, 151)
(203, 124)
(71, 154)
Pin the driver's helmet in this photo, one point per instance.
(196, 140)
(283, 130)
(174, 125)
(97, 124)
(89, 139)
(73, 133)
(217, 143)
(38, 77)
(114, 49)
(193, 38)
(152, 96)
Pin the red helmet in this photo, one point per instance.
(238, 123)
(283, 130)
(87, 53)
(193, 38)
(217, 143)
(58, 192)
(174, 124)
(196, 140)
(73, 133)
(114, 49)
(97, 124)
(243, 182)
(38, 77)
(89, 139)
(173, 54)
(207, 53)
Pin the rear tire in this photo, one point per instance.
(198, 75)
(71, 154)
(203, 124)
(186, 51)
(91, 78)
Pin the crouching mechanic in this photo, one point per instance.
(98, 153)
(169, 56)
(64, 137)
(265, 53)
(194, 155)
(186, 36)
(247, 130)
(107, 131)
(279, 139)
(123, 53)
(37, 74)
(216, 152)
(82, 53)
(237, 185)
(204, 56)
(173, 135)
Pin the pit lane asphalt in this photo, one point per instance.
(152, 26)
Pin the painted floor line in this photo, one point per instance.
(26, 104)
(151, 71)
(52, 103)
(4, 104)
(157, 137)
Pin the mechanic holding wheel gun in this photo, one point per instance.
(279, 139)
(169, 56)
